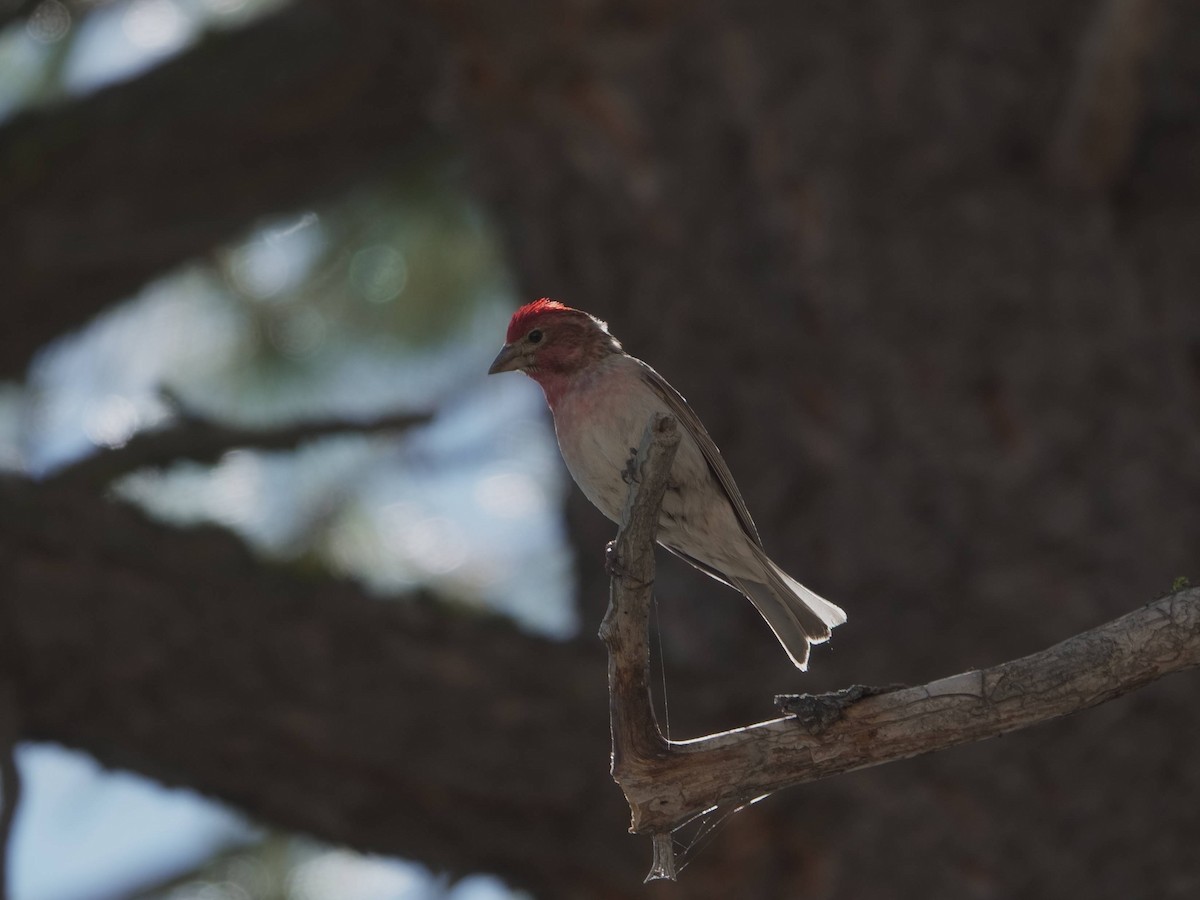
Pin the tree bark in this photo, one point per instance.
(669, 784)
(106, 192)
(395, 727)
(949, 393)
(961, 403)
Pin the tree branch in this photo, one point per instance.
(378, 724)
(637, 743)
(195, 438)
(669, 783)
(99, 195)
(1083, 671)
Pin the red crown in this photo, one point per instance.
(524, 316)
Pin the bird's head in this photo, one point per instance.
(547, 339)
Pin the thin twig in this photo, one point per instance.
(1081, 672)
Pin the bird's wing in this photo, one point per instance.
(680, 410)
(702, 566)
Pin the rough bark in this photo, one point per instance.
(963, 404)
(960, 403)
(668, 784)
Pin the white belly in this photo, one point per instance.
(600, 423)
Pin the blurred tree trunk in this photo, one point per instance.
(961, 395)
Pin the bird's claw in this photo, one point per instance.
(615, 567)
(612, 560)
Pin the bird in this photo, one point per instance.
(601, 399)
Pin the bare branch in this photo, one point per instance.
(637, 743)
(869, 728)
(669, 783)
(195, 438)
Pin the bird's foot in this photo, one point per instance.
(612, 560)
(615, 567)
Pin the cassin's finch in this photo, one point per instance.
(602, 398)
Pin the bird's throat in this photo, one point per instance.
(554, 384)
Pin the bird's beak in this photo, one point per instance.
(507, 360)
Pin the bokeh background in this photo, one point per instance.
(296, 603)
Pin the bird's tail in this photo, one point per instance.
(796, 615)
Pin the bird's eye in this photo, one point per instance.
(535, 336)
